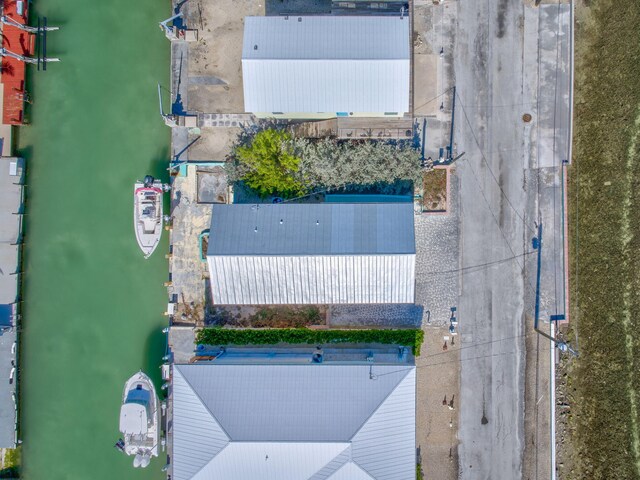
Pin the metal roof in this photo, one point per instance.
(312, 229)
(312, 253)
(326, 37)
(326, 64)
(293, 421)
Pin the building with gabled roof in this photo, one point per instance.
(313, 421)
(322, 253)
(326, 66)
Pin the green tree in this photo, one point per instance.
(359, 165)
(267, 165)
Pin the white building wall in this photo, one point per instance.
(332, 279)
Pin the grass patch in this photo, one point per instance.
(11, 463)
(604, 212)
(435, 190)
(223, 336)
(280, 316)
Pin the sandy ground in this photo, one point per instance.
(214, 143)
(536, 461)
(428, 78)
(216, 58)
(434, 36)
(436, 424)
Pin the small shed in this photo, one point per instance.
(325, 253)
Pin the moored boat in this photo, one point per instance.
(147, 213)
(139, 420)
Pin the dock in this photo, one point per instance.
(20, 43)
(11, 210)
(196, 187)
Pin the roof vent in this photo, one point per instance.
(299, 19)
(255, 47)
(318, 355)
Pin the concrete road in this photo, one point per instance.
(499, 78)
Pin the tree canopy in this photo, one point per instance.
(271, 161)
(267, 165)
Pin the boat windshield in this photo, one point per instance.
(139, 395)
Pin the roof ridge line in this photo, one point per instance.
(197, 395)
(381, 403)
(348, 459)
(362, 468)
(212, 416)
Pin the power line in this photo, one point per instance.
(495, 219)
(448, 352)
(434, 98)
(484, 159)
(507, 105)
(480, 266)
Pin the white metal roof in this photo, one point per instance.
(350, 471)
(326, 253)
(270, 460)
(314, 422)
(326, 64)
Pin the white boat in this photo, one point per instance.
(147, 213)
(139, 420)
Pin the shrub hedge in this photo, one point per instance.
(272, 336)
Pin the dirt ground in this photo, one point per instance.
(216, 59)
(214, 143)
(431, 28)
(250, 316)
(436, 424)
(536, 463)
(435, 190)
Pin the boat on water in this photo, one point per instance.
(139, 420)
(147, 213)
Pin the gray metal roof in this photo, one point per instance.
(312, 229)
(326, 37)
(293, 421)
(312, 254)
(326, 64)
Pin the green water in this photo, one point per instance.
(93, 305)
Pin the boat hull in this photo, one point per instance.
(140, 419)
(147, 215)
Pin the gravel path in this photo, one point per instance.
(437, 261)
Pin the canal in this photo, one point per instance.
(93, 305)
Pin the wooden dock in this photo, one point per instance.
(357, 128)
(375, 128)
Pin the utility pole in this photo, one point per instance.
(560, 345)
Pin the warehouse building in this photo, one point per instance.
(326, 66)
(324, 253)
